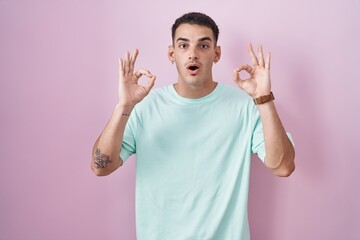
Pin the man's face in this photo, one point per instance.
(194, 53)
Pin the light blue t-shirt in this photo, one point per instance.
(193, 163)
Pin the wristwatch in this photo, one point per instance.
(264, 99)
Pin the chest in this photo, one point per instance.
(169, 127)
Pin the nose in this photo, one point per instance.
(193, 54)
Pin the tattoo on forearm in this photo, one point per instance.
(101, 160)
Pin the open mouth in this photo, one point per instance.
(193, 69)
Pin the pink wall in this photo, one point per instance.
(58, 80)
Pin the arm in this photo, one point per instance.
(280, 152)
(105, 154)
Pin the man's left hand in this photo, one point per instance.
(258, 84)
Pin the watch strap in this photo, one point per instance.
(264, 99)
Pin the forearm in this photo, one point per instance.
(105, 155)
(280, 152)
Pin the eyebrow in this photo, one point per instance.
(187, 40)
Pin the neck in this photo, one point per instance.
(194, 91)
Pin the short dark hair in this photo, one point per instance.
(198, 19)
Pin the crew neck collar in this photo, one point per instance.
(205, 98)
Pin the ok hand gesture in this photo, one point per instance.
(130, 92)
(258, 84)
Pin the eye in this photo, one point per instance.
(204, 46)
(183, 45)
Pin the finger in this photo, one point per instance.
(252, 55)
(133, 60)
(121, 67)
(137, 74)
(245, 67)
(261, 56)
(126, 63)
(237, 79)
(236, 76)
(150, 83)
(144, 72)
(267, 64)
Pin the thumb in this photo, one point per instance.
(150, 83)
(237, 79)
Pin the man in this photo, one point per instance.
(194, 139)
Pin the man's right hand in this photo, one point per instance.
(130, 92)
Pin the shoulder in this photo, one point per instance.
(155, 97)
(156, 94)
(238, 101)
(234, 93)
(161, 92)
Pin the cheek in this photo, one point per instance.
(178, 67)
(210, 63)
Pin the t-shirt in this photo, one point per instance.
(193, 163)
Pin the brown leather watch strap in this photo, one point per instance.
(264, 99)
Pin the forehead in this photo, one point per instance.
(193, 32)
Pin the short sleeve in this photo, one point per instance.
(257, 140)
(129, 139)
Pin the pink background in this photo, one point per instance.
(58, 72)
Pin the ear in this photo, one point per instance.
(171, 53)
(217, 54)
